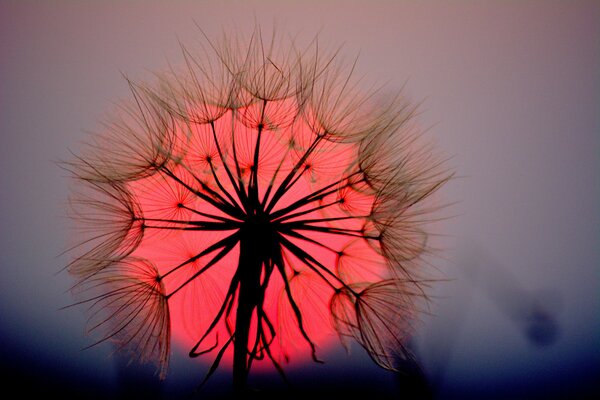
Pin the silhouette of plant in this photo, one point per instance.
(259, 196)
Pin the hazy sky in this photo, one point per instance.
(510, 89)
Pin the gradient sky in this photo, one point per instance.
(510, 89)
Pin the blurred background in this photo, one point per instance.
(510, 89)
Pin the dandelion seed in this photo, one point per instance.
(250, 205)
(127, 304)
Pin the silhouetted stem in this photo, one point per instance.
(249, 269)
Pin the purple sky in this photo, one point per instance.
(510, 89)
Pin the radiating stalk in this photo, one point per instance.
(249, 298)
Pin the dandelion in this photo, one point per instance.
(250, 204)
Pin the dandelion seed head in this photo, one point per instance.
(127, 306)
(254, 205)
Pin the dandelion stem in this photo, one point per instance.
(249, 299)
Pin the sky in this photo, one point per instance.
(508, 89)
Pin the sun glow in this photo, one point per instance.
(327, 226)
